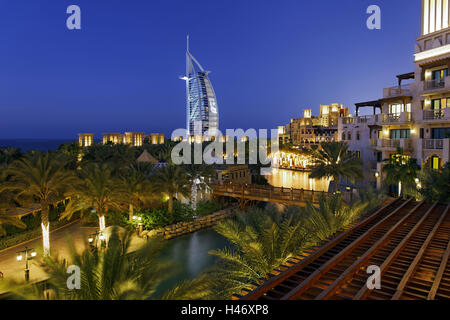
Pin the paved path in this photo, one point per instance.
(13, 269)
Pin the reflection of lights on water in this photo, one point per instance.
(296, 180)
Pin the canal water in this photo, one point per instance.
(297, 180)
(190, 252)
(190, 255)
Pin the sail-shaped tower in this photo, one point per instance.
(201, 100)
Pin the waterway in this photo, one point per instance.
(297, 180)
(190, 252)
(190, 255)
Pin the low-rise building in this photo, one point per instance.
(85, 139)
(312, 130)
(236, 173)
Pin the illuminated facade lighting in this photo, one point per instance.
(200, 97)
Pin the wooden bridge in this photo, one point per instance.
(281, 195)
(409, 241)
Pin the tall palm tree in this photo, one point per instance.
(134, 185)
(262, 241)
(39, 177)
(402, 170)
(199, 176)
(113, 273)
(96, 190)
(171, 180)
(333, 160)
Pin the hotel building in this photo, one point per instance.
(414, 116)
(201, 102)
(310, 130)
(85, 139)
(136, 139)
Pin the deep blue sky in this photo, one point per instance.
(269, 60)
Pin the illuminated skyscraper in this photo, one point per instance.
(200, 98)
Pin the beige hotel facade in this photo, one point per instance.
(415, 114)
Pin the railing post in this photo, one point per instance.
(302, 194)
(292, 194)
(312, 197)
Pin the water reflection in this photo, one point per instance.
(190, 254)
(297, 180)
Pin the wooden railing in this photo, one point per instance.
(267, 193)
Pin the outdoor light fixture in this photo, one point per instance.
(27, 254)
(91, 239)
(377, 174)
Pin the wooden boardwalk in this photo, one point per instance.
(268, 194)
(408, 240)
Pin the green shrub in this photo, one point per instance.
(159, 217)
(205, 208)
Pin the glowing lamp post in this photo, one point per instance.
(140, 226)
(94, 238)
(27, 255)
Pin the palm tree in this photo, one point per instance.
(41, 177)
(113, 273)
(171, 180)
(436, 184)
(331, 216)
(333, 160)
(401, 169)
(7, 219)
(96, 190)
(134, 185)
(199, 178)
(262, 241)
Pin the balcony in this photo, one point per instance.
(397, 91)
(357, 120)
(433, 144)
(433, 115)
(405, 144)
(434, 84)
(394, 118)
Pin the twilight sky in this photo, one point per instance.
(269, 60)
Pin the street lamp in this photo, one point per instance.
(140, 226)
(93, 237)
(27, 254)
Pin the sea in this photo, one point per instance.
(26, 145)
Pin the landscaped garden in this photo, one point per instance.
(105, 186)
